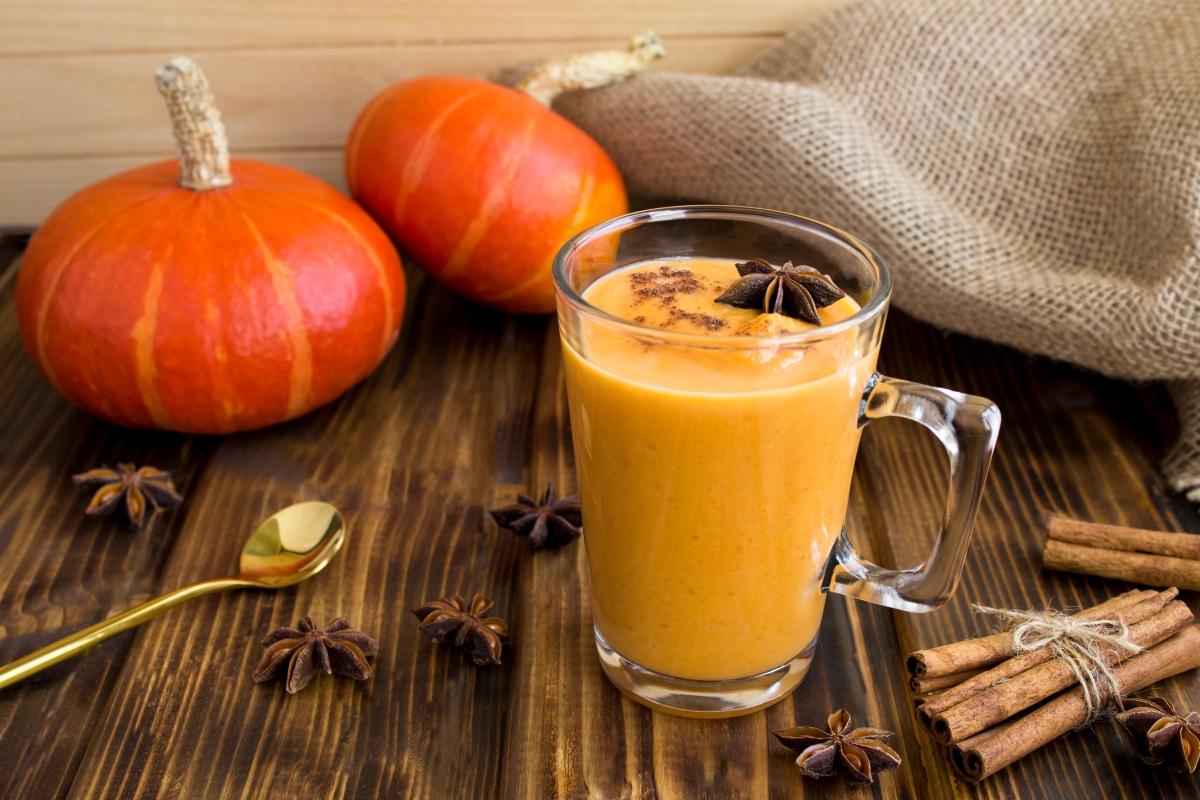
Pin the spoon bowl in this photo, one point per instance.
(290, 546)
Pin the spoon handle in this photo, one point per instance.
(76, 643)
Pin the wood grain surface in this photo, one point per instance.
(74, 119)
(468, 409)
(290, 76)
(74, 26)
(270, 100)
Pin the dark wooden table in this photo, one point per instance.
(466, 410)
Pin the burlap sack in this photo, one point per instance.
(1029, 169)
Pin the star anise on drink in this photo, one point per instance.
(457, 621)
(855, 754)
(548, 522)
(139, 487)
(795, 291)
(297, 653)
(1159, 735)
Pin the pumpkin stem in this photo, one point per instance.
(591, 70)
(199, 133)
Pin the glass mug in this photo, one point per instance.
(714, 470)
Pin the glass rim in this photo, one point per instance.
(868, 312)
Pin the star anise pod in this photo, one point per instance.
(856, 754)
(139, 487)
(1159, 735)
(546, 521)
(790, 290)
(299, 652)
(454, 620)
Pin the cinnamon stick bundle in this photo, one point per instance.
(987, 650)
(989, 752)
(986, 719)
(971, 686)
(1001, 701)
(1156, 558)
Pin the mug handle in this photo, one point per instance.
(967, 427)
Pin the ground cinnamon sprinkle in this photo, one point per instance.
(703, 320)
(665, 284)
(664, 271)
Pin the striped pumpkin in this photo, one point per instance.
(247, 296)
(481, 184)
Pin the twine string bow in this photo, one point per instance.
(1084, 645)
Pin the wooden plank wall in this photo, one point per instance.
(77, 99)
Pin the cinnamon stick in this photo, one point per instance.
(987, 650)
(1153, 570)
(1117, 537)
(997, 703)
(937, 683)
(991, 751)
(1005, 670)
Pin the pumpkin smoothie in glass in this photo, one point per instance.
(714, 482)
(720, 364)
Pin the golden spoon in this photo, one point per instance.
(291, 546)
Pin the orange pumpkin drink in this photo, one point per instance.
(732, 468)
(719, 364)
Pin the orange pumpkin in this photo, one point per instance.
(248, 295)
(482, 184)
